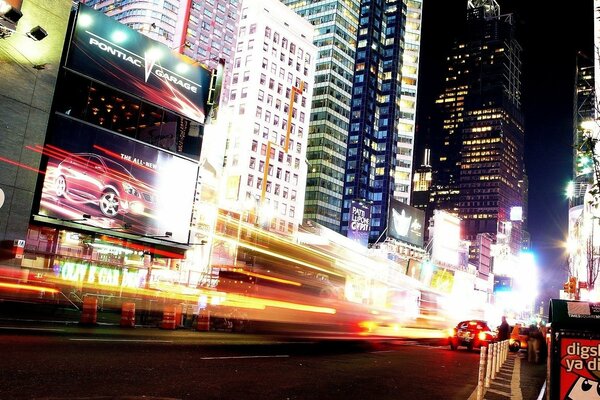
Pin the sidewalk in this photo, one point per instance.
(518, 379)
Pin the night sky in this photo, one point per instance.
(550, 36)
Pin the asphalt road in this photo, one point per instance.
(57, 362)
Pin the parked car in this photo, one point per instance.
(518, 338)
(471, 334)
(91, 178)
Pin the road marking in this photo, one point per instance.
(31, 329)
(122, 340)
(542, 392)
(238, 357)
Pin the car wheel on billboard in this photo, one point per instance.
(109, 203)
(60, 186)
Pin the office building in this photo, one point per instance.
(270, 98)
(379, 150)
(335, 39)
(478, 150)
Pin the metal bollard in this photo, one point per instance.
(494, 358)
(498, 358)
(488, 367)
(481, 379)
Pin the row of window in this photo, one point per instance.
(282, 208)
(279, 174)
(274, 223)
(280, 156)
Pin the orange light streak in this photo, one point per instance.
(27, 287)
(267, 277)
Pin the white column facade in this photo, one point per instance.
(266, 157)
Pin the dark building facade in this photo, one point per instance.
(371, 152)
(479, 141)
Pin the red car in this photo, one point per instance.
(472, 334)
(90, 178)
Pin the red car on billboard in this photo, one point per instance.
(91, 178)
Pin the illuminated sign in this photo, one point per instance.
(96, 275)
(516, 213)
(406, 223)
(445, 238)
(359, 223)
(117, 55)
(118, 182)
(579, 368)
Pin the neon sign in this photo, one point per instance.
(96, 275)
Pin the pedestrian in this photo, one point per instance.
(503, 330)
(534, 343)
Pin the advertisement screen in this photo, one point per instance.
(406, 223)
(360, 222)
(446, 238)
(117, 183)
(117, 55)
(579, 368)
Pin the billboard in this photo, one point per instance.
(110, 52)
(579, 368)
(446, 238)
(405, 223)
(117, 183)
(359, 223)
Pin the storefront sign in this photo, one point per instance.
(579, 368)
(92, 274)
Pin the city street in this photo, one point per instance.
(55, 362)
(67, 361)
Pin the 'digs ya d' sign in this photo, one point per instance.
(580, 369)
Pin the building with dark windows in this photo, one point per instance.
(379, 150)
(479, 138)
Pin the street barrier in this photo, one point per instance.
(203, 321)
(89, 312)
(179, 316)
(491, 359)
(169, 315)
(128, 315)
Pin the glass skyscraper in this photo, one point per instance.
(380, 141)
(336, 25)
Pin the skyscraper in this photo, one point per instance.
(335, 39)
(478, 153)
(379, 154)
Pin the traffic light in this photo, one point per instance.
(570, 286)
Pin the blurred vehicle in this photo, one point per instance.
(518, 338)
(99, 180)
(471, 334)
